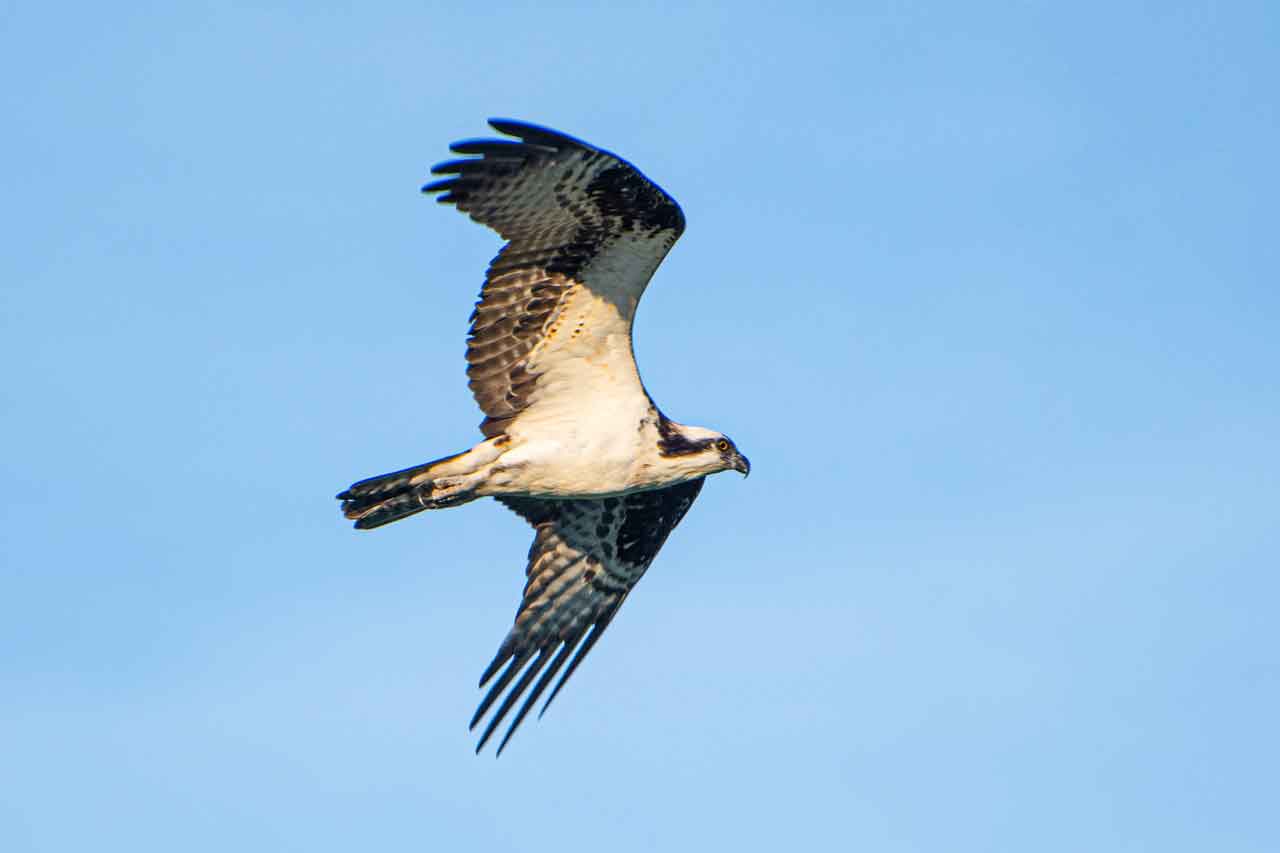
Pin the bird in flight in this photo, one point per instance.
(573, 443)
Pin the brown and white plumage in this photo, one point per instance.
(573, 442)
(583, 226)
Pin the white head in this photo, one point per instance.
(697, 451)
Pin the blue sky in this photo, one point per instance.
(987, 293)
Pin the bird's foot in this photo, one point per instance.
(449, 491)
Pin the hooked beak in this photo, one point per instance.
(742, 465)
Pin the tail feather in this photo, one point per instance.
(390, 497)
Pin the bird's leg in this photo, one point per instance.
(451, 491)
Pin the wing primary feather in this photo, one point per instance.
(503, 148)
(476, 164)
(516, 692)
(596, 631)
(504, 654)
(509, 673)
(436, 186)
(535, 134)
(565, 650)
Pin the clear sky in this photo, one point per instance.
(987, 292)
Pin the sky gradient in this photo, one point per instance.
(987, 294)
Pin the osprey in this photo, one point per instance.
(572, 441)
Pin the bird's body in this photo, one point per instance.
(573, 442)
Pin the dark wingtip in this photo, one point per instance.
(536, 134)
(498, 148)
(505, 653)
(512, 126)
(521, 686)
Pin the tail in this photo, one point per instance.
(391, 497)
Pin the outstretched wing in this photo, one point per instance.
(586, 556)
(586, 231)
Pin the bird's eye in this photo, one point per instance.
(722, 445)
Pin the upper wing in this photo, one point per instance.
(586, 230)
(586, 556)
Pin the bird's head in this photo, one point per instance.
(700, 451)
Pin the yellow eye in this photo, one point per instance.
(722, 445)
